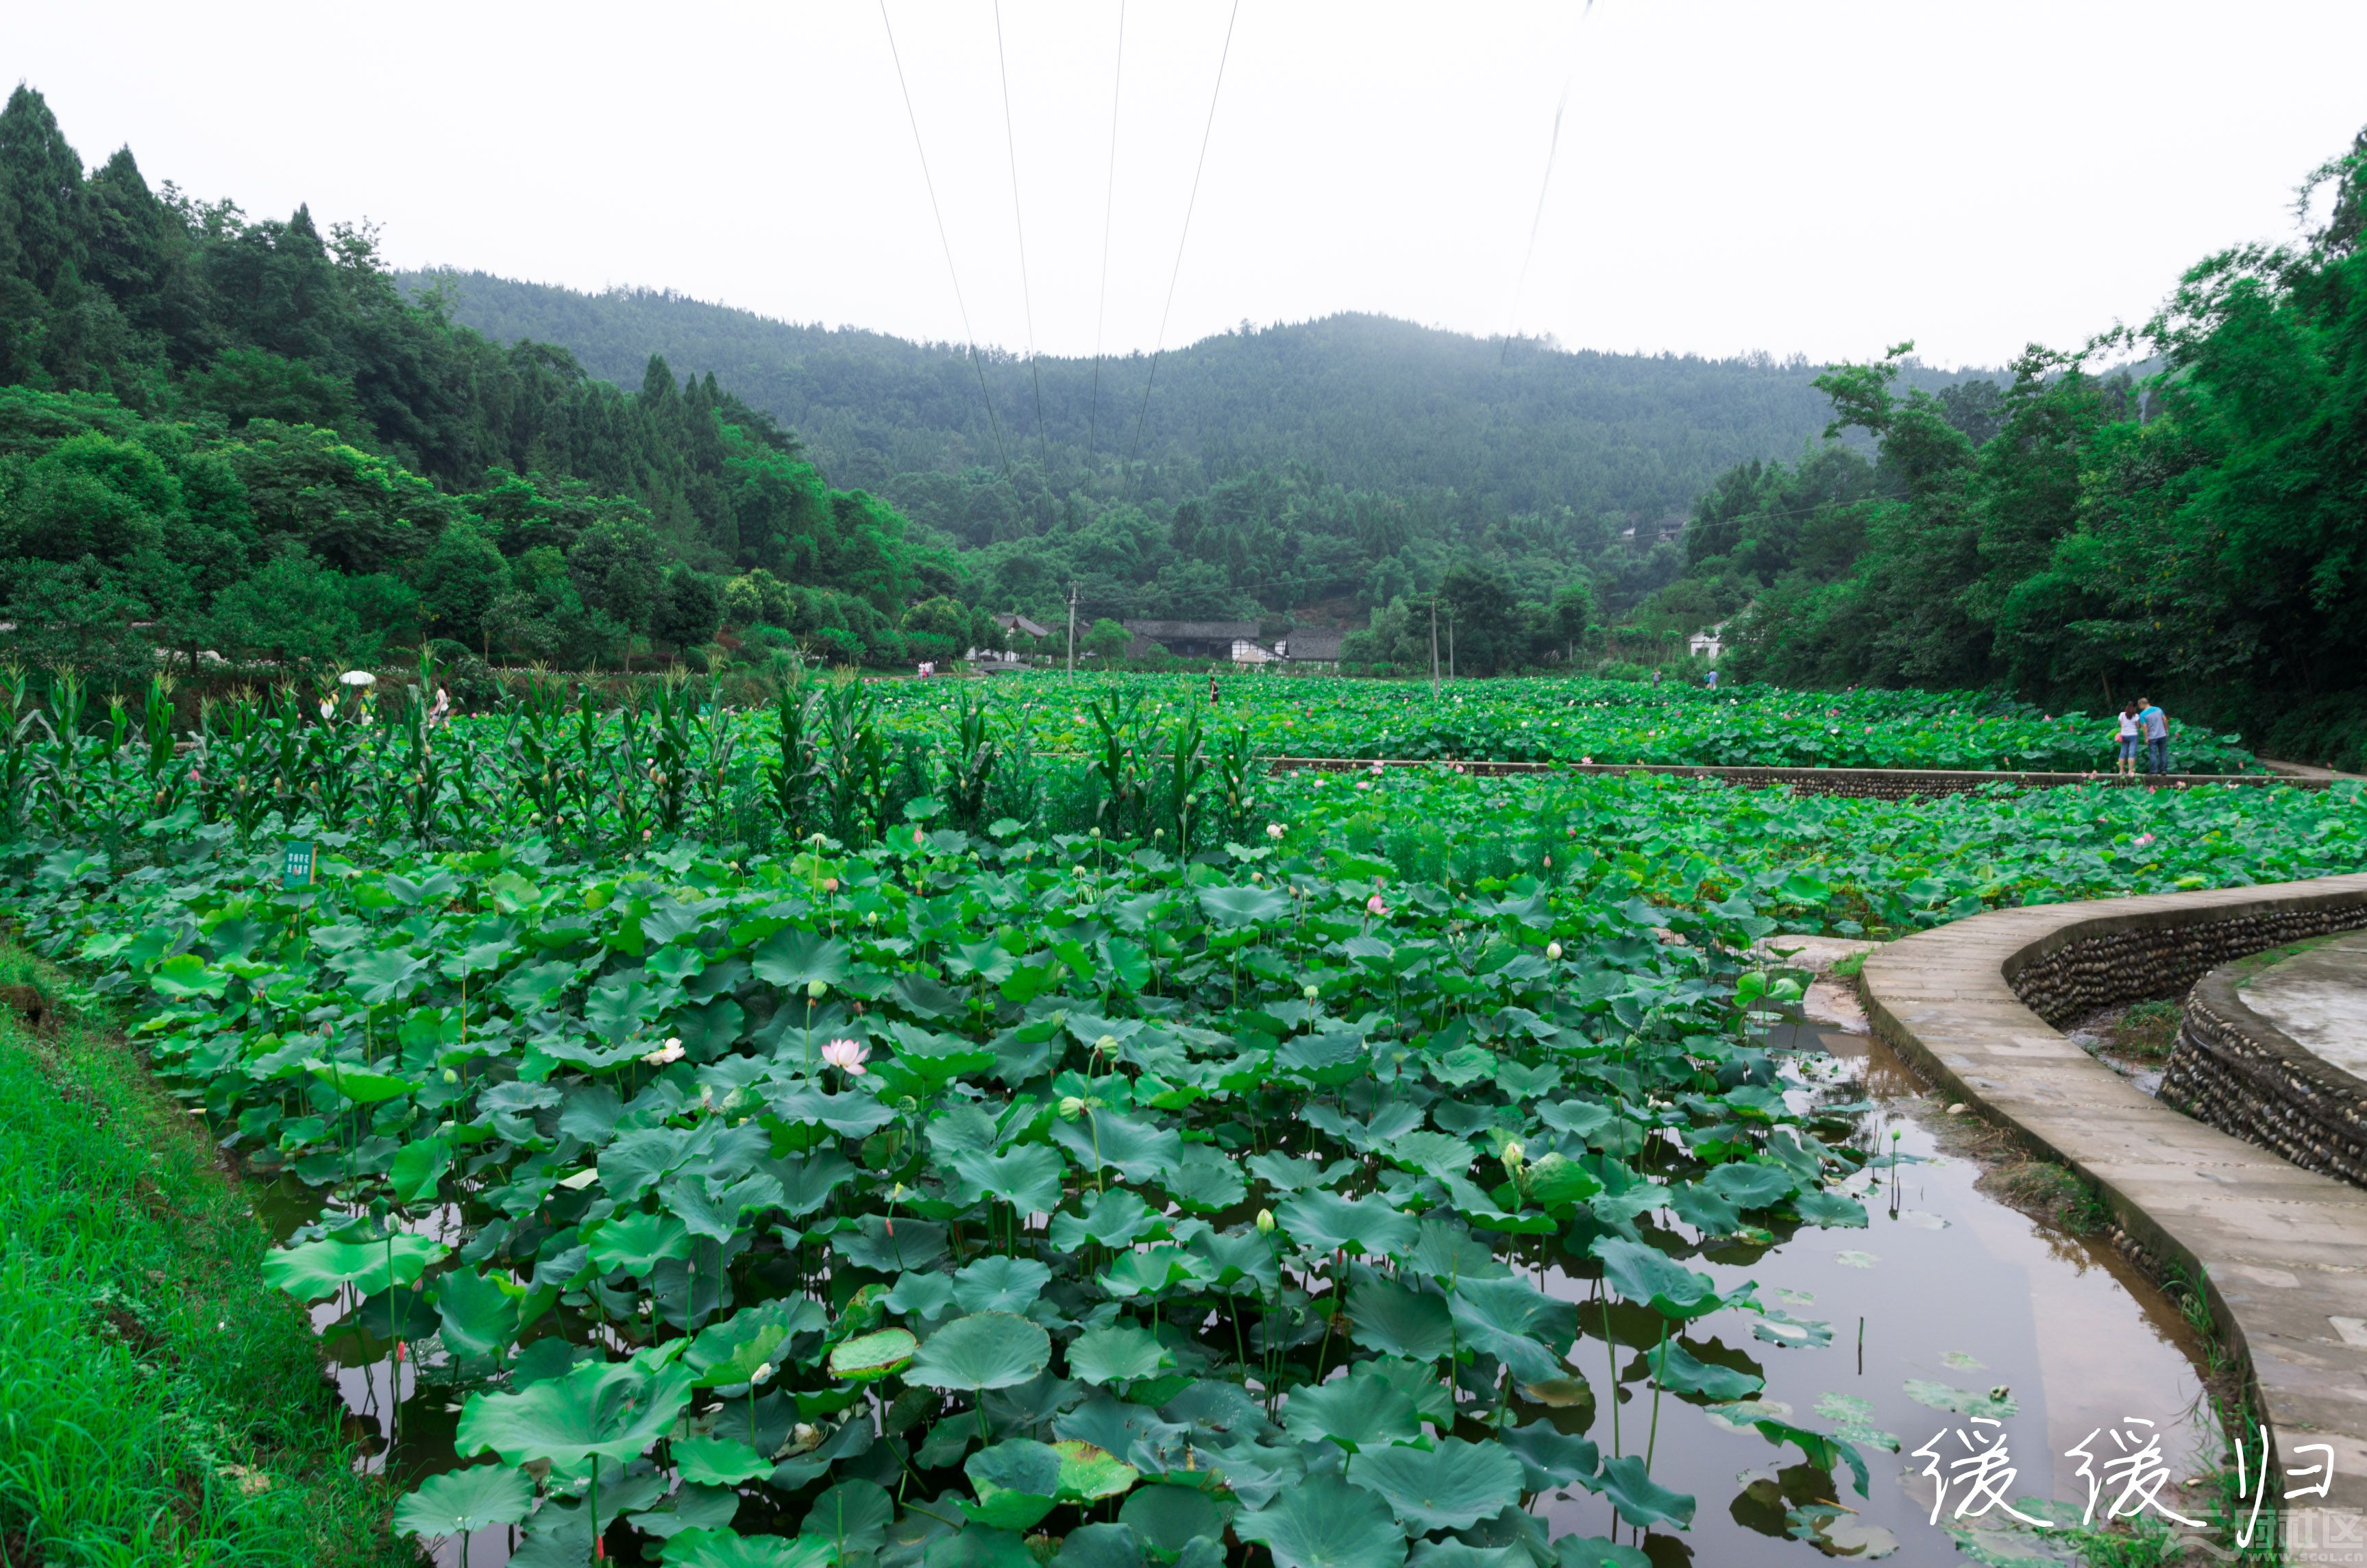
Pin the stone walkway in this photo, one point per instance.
(2282, 1251)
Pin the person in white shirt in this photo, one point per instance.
(2127, 766)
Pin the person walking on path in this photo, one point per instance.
(2131, 736)
(2156, 724)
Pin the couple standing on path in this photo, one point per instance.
(2145, 731)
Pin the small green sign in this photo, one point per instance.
(296, 871)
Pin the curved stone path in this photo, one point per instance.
(2282, 1251)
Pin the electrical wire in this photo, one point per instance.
(1109, 206)
(1159, 345)
(1545, 186)
(952, 271)
(1026, 299)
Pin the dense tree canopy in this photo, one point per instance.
(2200, 533)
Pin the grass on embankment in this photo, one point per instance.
(158, 1402)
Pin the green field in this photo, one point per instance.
(816, 1133)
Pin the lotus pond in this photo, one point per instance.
(950, 1191)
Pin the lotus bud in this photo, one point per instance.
(1310, 992)
(1553, 950)
(815, 990)
(1273, 831)
(450, 1077)
(1105, 1045)
(761, 1373)
(1513, 1155)
(830, 884)
(1072, 1107)
(1265, 1222)
(1096, 833)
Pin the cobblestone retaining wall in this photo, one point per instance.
(2241, 1074)
(2153, 956)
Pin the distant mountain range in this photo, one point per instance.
(1365, 402)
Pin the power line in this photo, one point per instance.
(944, 239)
(1159, 345)
(1552, 148)
(1109, 206)
(1026, 300)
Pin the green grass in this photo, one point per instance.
(158, 1402)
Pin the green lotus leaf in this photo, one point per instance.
(1099, 1546)
(1646, 1275)
(608, 1409)
(718, 1462)
(1117, 1353)
(1940, 1396)
(1325, 1221)
(1017, 1482)
(712, 1548)
(635, 1243)
(1551, 1458)
(1000, 1284)
(1517, 1324)
(479, 1316)
(1751, 1185)
(1234, 908)
(1433, 1153)
(853, 1516)
(984, 1350)
(1594, 1551)
(1135, 1147)
(978, 1546)
(1677, 1370)
(384, 975)
(314, 1269)
(459, 1501)
(1355, 1412)
(1450, 1487)
(1640, 1500)
(1149, 1271)
(1386, 1317)
(1326, 1523)
(874, 1355)
(1820, 1448)
(1834, 1209)
(795, 959)
(358, 1085)
(1167, 1520)
(890, 1246)
(1027, 1177)
(1116, 1218)
(730, 1352)
(1205, 1182)
(1556, 1180)
(418, 1169)
(1852, 1420)
(691, 1508)
(1089, 1473)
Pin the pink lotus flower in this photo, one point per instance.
(1373, 906)
(846, 1055)
(2144, 839)
(670, 1051)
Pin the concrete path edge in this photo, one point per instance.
(2281, 1252)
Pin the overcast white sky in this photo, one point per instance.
(1818, 175)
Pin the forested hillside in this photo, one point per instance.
(237, 434)
(2198, 534)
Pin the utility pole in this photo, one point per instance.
(1450, 644)
(1433, 646)
(1073, 629)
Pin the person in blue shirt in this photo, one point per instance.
(1712, 680)
(2156, 726)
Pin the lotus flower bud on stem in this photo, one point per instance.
(1265, 1222)
(1553, 950)
(815, 990)
(1072, 1107)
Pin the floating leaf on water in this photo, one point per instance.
(1741, 1415)
(1963, 1361)
(874, 1355)
(462, 1500)
(1941, 1397)
(1854, 1259)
